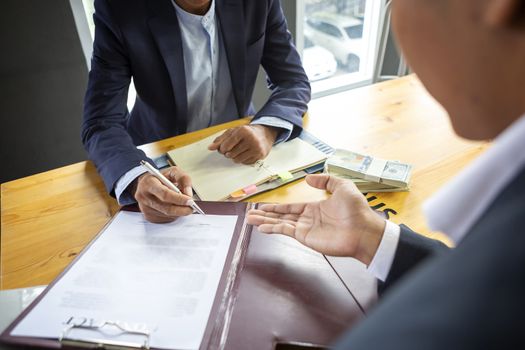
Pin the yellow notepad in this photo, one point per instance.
(215, 177)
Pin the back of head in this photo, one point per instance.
(470, 55)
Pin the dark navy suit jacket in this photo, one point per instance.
(141, 39)
(469, 297)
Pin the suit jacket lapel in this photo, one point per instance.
(166, 33)
(231, 20)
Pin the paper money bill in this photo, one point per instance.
(350, 163)
(369, 173)
(366, 186)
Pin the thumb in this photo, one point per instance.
(219, 139)
(324, 182)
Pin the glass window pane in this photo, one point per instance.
(340, 41)
(89, 7)
(354, 32)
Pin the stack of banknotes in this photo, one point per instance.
(370, 174)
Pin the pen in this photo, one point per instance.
(168, 183)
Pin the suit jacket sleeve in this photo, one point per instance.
(286, 77)
(411, 250)
(104, 133)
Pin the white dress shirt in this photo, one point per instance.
(460, 203)
(208, 84)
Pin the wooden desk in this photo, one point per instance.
(48, 218)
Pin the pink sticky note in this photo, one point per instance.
(250, 189)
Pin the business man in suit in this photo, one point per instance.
(470, 55)
(194, 64)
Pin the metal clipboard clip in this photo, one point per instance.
(102, 327)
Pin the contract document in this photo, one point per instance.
(155, 279)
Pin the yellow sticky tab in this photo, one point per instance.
(238, 194)
(285, 176)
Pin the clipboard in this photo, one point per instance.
(267, 280)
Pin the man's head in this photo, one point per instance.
(470, 54)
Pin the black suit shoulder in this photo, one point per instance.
(468, 298)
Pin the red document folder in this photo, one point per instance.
(273, 293)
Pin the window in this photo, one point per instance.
(330, 30)
(89, 8)
(339, 37)
(307, 43)
(342, 31)
(354, 32)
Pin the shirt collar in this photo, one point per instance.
(460, 203)
(185, 16)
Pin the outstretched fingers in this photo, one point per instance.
(269, 214)
(294, 208)
(284, 228)
(257, 220)
(269, 222)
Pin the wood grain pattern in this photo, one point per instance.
(48, 218)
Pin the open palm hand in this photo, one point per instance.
(343, 225)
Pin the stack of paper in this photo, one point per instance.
(157, 288)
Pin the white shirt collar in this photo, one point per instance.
(460, 203)
(188, 17)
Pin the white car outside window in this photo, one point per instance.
(339, 34)
(318, 63)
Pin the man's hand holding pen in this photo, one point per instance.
(158, 202)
